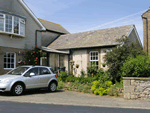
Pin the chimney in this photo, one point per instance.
(146, 30)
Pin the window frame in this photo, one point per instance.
(95, 58)
(43, 74)
(4, 22)
(14, 62)
(27, 71)
(12, 32)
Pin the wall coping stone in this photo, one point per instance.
(136, 78)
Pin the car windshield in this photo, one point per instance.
(18, 71)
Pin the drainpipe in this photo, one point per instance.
(146, 32)
(36, 36)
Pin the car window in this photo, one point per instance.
(51, 70)
(18, 71)
(44, 71)
(33, 70)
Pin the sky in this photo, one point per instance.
(86, 15)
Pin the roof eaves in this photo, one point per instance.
(89, 47)
(31, 13)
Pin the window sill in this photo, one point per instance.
(7, 33)
(8, 68)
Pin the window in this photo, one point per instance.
(9, 60)
(1, 22)
(18, 71)
(108, 49)
(51, 70)
(12, 24)
(94, 58)
(8, 23)
(33, 70)
(22, 27)
(16, 25)
(44, 71)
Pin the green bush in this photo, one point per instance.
(113, 91)
(91, 70)
(95, 85)
(68, 79)
(118, 56)
(80, 87)
(60, 85)
(63, 75)
(86, 88)
(136, 67)
(101, 88)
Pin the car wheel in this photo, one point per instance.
(17, 89)
(52, 87)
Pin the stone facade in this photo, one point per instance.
(145, 25)
(136, 87)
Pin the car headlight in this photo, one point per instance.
(4, 81)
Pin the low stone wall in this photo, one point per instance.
(136, 87)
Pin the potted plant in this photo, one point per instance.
(77, 65)
(103, 64)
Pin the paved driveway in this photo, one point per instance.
(74, 98)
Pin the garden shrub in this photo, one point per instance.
(136, 67)
(60, 85)
(80, 87)
(95, 85)
(68, 79)
(101, 88)
(86, 88)
(118, 56)
(91, 70)
(113, 91)
(63, 75)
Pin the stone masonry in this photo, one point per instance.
(145, 25)
(136, 87)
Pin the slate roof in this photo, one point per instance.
(96, 38)
(53, 26)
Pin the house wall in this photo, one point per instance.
(48, 37)
(17, 43)
(133, 38)
(81, 57)
(7, 49)
(15, 7)
(145, 25)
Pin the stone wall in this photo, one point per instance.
(136, 87)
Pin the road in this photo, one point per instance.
(14, 107)
(75, 99)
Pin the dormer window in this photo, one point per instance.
(12, 25)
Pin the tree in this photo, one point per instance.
(119, 54)
(136, 67)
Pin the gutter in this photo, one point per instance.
(146, 32)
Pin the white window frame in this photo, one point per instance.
(95, 57)
(14, 61)
(20, 21)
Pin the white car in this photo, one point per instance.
(28, 77)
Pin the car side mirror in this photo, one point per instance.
(32, 74)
